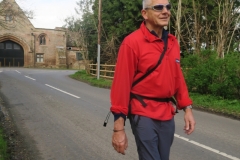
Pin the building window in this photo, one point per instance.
(39, 57)
(79, 56)
(42, 40)
(1, 45)
(9, 46)
(9, 17)
(16, 46)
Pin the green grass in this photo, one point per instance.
(217, 105)
(84, 77)
(3, 147)
(204, 102)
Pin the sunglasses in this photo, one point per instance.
(160, 7)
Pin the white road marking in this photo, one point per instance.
(62, 91)
(30, 78)
(17, 71)
(207, 148)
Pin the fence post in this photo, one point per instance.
(96, 71)
(90, 68)
(105, 68)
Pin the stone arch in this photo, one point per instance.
(18, 40)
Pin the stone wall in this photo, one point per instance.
(72, 61)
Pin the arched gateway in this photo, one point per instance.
(11, 54)
(12, 51)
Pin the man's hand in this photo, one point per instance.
(119, 138)
(120, 141)
(189, 121)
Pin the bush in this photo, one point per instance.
(212, 75)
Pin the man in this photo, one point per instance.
(151, 106)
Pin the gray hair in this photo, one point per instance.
(146, 3)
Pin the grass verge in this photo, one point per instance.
(84, 77)
(226, 107)
(3, 146)
(3, 142)
(209, 103)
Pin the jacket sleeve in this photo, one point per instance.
(182, 95)
(123, 78)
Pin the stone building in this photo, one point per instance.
(23, 45)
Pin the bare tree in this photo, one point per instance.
(110, 48)
(78, 37)
(188, 26)
(206, 25)
(178, 20)
(234, 31)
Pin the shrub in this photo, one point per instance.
(212, 75)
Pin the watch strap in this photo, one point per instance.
(190, 106)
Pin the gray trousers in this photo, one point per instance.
(153, 137)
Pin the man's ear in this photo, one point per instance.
(144, 14)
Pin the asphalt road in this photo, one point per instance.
(63, 120)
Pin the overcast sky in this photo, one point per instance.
(49, 13)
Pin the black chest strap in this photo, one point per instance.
(141, 99)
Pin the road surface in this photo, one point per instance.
(63, 120)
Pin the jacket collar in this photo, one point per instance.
(151, 35)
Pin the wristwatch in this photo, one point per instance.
(184, 109)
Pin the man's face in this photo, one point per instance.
(156, 17)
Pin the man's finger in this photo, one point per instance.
(126, 145)
(120, 149)
(191, 127)
(186, 125)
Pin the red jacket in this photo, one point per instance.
(139, 52)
